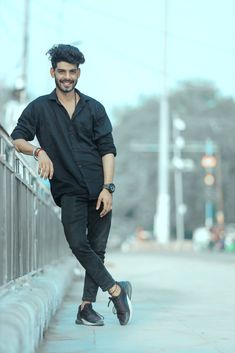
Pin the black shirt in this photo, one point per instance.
(75, 146)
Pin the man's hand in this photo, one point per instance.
(45, 166)
(106, 199)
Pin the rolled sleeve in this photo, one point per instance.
(103, 132)
(26, 125)
(105, 145)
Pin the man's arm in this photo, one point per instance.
(23, 146)
(108, 162)
(105, 196)
(45, 165)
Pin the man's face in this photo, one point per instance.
(66, 76)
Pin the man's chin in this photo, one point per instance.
(66, 89)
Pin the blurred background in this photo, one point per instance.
(164, 71)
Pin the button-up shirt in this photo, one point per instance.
(75, 145)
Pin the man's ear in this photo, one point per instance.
(52, 72)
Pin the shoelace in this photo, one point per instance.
(114, 309)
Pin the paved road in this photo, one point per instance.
(182, 304)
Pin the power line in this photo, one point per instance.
(119, 19)
(172, 36)
(208, 46)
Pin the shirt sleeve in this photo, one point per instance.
(26, 125)
(103, 132)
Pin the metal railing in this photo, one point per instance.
(31, 233)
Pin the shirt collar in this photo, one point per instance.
(83, 97)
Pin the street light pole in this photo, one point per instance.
(162, 216)
(179, 143)
(24, 75)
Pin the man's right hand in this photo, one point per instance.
(45, 166)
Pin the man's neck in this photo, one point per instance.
(65, 96)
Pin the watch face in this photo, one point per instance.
(111, 187)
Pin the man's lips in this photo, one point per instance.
(67, 83)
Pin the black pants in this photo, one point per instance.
(87, 234)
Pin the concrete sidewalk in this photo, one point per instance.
(182, 304)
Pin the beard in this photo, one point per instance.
(65, 86)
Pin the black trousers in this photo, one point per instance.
(87, 234)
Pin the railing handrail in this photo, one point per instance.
(31, 233)
(22, 169)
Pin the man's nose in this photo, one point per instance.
(67, 75)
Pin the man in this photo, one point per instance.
(77, 154)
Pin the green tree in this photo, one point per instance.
(207, 114)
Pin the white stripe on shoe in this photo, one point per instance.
(130, 307)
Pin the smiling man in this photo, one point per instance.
(77, 154)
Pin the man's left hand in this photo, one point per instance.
(107, 200)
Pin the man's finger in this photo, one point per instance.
(51, 171)
(103, 213)
(106, 208)
(46, 172)
(98, 203)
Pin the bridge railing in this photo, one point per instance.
(31, 233)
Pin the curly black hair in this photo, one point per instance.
(65, 52)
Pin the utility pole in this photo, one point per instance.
(179, 143)
(162, 216)
(24, 74)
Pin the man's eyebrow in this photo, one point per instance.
(71, 70)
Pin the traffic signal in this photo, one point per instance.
(209, 179)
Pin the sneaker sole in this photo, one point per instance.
(87, 323)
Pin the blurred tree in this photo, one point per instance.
(207, 115)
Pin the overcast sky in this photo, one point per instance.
(123, 44)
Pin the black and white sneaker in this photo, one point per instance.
(122, 303)
(88, 316)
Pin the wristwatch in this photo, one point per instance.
(110, 187)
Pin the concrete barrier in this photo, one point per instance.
(26, 309)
